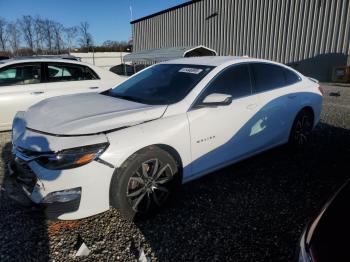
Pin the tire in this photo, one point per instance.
(144, 183)
(301, 130)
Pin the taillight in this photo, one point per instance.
(321, 90)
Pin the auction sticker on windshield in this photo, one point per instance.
(190, 70)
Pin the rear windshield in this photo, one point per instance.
(161, 84)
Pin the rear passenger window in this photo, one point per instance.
(267, 76)
(67, 72)
(291, 77)
(233, 81)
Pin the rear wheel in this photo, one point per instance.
(302, 128)
(144, 183)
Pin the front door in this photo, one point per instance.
(20, 87)
(221, 134)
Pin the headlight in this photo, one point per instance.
(71, 158)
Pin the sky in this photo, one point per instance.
(108, 19)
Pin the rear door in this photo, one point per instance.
(20, 87)
(273, 116)
(292, 89)
(68, 78)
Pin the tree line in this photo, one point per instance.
(30, 35)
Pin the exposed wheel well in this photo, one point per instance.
(173, 152)
(169, 149)
(309, 109)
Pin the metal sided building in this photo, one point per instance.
(313, 36)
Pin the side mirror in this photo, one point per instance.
(217, 100)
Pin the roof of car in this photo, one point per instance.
(212, 60)
(38, 59)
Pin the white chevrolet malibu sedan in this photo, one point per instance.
(132, 146)
(26, 81)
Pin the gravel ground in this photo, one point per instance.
(251, 211)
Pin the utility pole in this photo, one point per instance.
(130, 10)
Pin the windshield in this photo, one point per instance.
(161, 84)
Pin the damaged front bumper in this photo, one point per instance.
(67, 194)
(21, 182)
(63, 194)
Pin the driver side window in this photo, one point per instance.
(234, 81)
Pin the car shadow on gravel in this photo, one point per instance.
(254, 210)
(23, 230)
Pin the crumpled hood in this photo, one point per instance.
(89, 113)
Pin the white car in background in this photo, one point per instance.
(171, 123)
(24, 82)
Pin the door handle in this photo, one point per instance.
(94, 87)
(252, 106)
(37, 93)
(292, 96)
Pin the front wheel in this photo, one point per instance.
(301, 129)
(144, 183)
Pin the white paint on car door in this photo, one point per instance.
(52, 89)
(276, 97)
(221, 134)
(17, 98)
(20, 87)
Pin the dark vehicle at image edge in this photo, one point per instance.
(326, 238)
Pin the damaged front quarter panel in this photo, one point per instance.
(32, 140)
